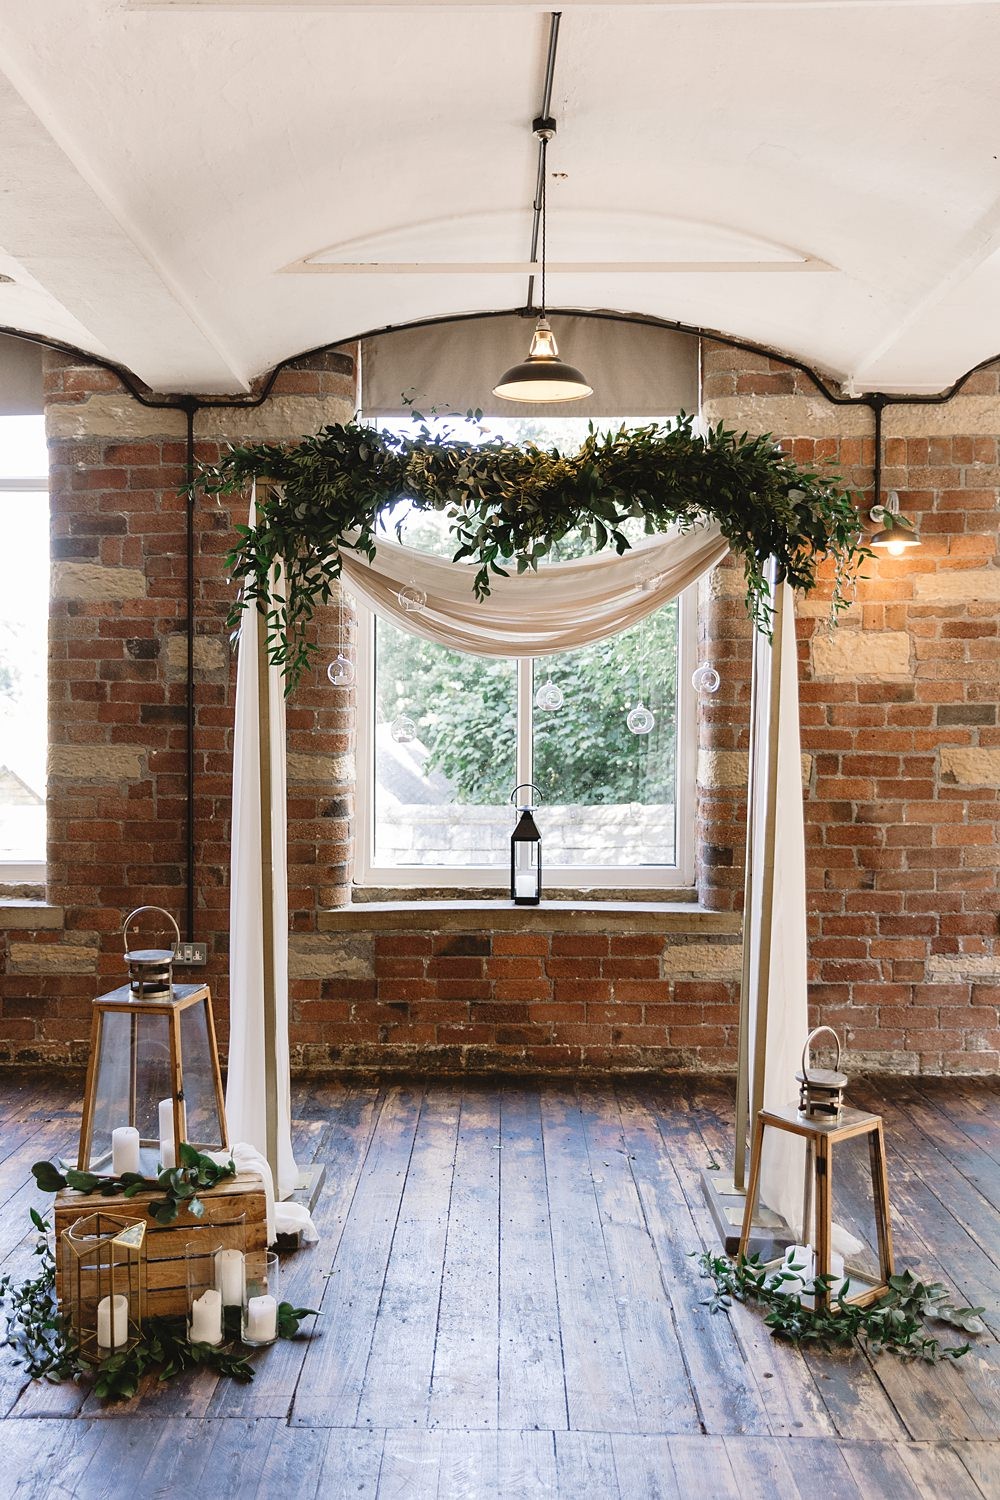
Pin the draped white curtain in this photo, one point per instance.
(774, 928)
(258, 1085)
(562, 606)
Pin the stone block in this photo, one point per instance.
(958, 586)
(970, 766)
(723, 768)
(211, 654)
(97, 584)
(326, 770)
(963, 968)
(850, 654)
(323, 956)
(97, 762)
(30, 916)
(722, 961)
(51, 958)
(113, 415)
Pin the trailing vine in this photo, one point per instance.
(508, 504)
(896, 1322)
(179, 1185)
(42, 1341)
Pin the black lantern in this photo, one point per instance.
(525, 854)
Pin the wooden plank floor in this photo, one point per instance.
(510, 1308)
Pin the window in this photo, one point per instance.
(444, 738)
(24, 602)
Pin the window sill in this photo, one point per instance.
(28, 915)
(581, 915)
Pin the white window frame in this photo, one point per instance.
(573, 877)
(31, 871)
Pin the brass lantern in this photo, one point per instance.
(153, 1078)
(821, 1090)
(102, 1283)
(150, 970)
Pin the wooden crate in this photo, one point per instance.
(166, 1277)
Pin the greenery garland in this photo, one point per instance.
(896, 1322)
(37, 1332)
(179, 1185)
(509, 504)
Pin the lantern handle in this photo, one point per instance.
(138, 913)
(521, 784)
(805, 1050)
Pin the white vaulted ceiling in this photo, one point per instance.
(199, 190)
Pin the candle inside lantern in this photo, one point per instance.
(168, 1157)
(800, 1260)
(124, 1150)
(261, 1325)
(206, 1317)
(525, 883)
(230, 1277)
(112, 1324)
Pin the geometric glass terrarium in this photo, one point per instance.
(102, 1283)
(153, 1081)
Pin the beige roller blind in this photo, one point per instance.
(636, 370)
(20, 378)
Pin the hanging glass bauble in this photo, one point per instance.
(650, 582)
(641, 719)
(549, 697)
(341, 671)
(403, 729)
(412, 599)
(705, 679)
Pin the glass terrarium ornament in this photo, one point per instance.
(650, 582)
(403, 729)
(341, 671)
(705, 679)
(549, 697)
(641, 719)
(412, 600)
(153, 1080)
(102, 1283)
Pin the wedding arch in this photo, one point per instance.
(315, 514)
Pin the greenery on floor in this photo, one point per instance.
(42, 1341)
(897, 1322)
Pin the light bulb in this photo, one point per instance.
(641, 719)
(341, 671)
(549, 697)
(403, 729)
(705, 679)
(896, 548)
(412, 599)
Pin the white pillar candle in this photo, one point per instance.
(206, 1317)
(229, 1277)
(262, 1320)
(124, 1150)
(525, 884)
(168, 1157)
(803, 1259)
(112, 1331)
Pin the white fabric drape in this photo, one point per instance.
(775, 924)
(258, 1087)
(562, 606)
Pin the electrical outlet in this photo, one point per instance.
(191, 953)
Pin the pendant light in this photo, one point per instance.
(543, 376)
(897, 534)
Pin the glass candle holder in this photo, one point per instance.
(216, 1282)
(260, 1310)
(205, 1323)
(102, 1283)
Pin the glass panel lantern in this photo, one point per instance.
(153, 1081)
(102, 1292)
(525, 854)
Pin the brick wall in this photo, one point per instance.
(901, 767)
